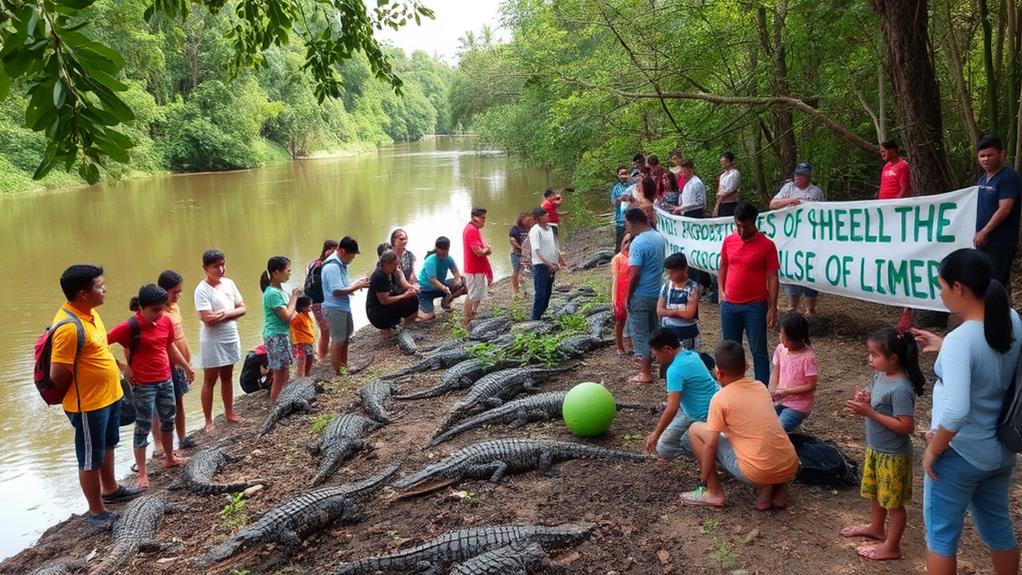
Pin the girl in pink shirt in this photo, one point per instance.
(793, 378)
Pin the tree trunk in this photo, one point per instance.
(958, 74)
(988, 67)
(783, 142)
(903, 24)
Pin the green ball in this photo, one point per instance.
(589, 409)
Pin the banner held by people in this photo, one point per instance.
(885, 252)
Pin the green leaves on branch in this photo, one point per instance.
(73, 81)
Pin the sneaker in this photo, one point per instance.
(123, 494)
(103, 520)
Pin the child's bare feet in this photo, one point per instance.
(866, 531)
(233, 418)
(142, 482)
(174, 461)
(879, 552)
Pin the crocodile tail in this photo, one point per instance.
(593, 452)
(119, 555)
(219, 488)
(357, 568)
(424, 394)
(375, 483)
(220, 552)
(327, 465)
(269, 422)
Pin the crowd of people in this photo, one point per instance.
(714, 413)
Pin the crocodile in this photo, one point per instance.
(539, 407)
(63, 567)
(323, 372)
(493, 459)
(437, 360)
(493, 389)
(598, 322)
(405, 341)
(296, 396)
(372, 395)
(576, 346)
(515, 559)
(341, 439)
(200, 469)
(463, 544)
(290, 522)
(595, 259)
(591, 309)
(538, 327)
(488, 329)
(461, 376)
(568, 308)
(135, 531)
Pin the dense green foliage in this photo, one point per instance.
(207, 92)
(584, 84)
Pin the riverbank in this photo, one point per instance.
(643, 529)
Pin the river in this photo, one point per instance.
(135, 229)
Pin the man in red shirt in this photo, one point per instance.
(748, 283)
(895, 180)
(895, 183)
(478, 274)
(551, 202)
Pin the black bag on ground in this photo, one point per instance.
(823, 463)
(252, 379)
(1009, 424)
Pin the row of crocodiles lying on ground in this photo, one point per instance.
(482, 550)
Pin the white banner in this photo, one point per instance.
(885, 251)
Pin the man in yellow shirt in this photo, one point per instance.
(92, 379)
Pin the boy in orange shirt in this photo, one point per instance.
(303, 338)
(742, 434)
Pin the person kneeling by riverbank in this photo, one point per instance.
(148, 342)
(742, 434)
(689, 386)
(433, 282)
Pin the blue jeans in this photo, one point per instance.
(642, 322)
(959, 487)
(428, 293)
(149, 398)
(543, 284)
(674, 440)
(727, 458)
(790, 418)
(751, 319)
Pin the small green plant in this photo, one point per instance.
(517, 311)
(498, 311)
(319, 424)
(393, 536)
(240, 572)
(534, 348)
(708, 526)
(723, 553)
(632, 437)
(571, 324)
(485, 352)
(233, 514)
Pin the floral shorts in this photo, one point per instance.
(302, 351)
(887, 478)
(278, 351)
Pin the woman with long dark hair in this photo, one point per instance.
(314, 289)
(278, 311)
(967, 468)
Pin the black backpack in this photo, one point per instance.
(314, 281)
(823, 463)
(128, 401)
(1009, 424)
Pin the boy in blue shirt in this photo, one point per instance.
(337, 290)
(689, 386)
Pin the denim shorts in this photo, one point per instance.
(278, 351)
(796, 291)
(428, 294)
(961, 487)
(95, 433)
(153, 398)
(728, 459)
(181, 386)
(790, 418)
(516, 262)
(642, 322)
(674, 440)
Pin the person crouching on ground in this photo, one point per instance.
(278, 311)
(391, 300)
(149, 349)
(689, 386)
(433, 282)
(742, 434)
(303, 337)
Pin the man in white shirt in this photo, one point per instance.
(546, 260)
(727, 186)
(792, 193)
(693, 195)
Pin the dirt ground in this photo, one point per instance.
(643, 528)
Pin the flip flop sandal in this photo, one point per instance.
(699, 498)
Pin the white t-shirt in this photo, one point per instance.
(542, 242)
(693, 195)
(219, 298)
(729, 182)
(790, 191)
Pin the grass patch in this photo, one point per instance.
(534, 348)
(319, 424)
(723, 553)
(233, 514)
(571, 324)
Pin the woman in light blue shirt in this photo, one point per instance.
(966, 466)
